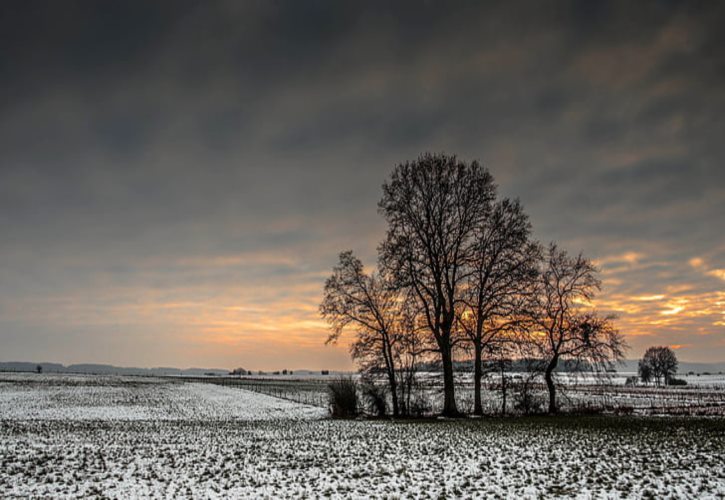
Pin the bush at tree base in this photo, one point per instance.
(342, 394)
(376, 398)
(676, 381)
(526, 400)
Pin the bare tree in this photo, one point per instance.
(645, 371)
(659, 363)
(561, 328)
(498, 361)
(409, 350)
(432, 207)
(378, 313)
(503, 262)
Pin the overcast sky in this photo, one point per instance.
(177, 178)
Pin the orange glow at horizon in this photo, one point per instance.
(682, 314)
(273, 323)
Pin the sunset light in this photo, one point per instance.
(197, 225)
(292, 249)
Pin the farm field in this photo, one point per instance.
(121, 437)
(703, 395)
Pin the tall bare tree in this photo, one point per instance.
(502, 265)
(433, 206)
(378, 313)
(562, 327)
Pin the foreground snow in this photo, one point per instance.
(343, 459)
(151, 438)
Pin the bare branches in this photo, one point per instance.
(459, 272)
(562, 324)
(659, 362)
(433, 207)
(383, 316)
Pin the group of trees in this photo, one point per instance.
(460, 275)
(658, 364)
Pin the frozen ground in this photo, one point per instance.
(125, 438)
(87, 397)
(607, 393)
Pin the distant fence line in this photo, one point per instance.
(608, 397)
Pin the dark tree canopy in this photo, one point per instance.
(659, 363)
(645, 371)
(433, 207)
(458, 272)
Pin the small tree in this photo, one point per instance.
(661, 363)
(380, 314)
(561, 328)
(525, 397)
(409, 351)
(645, 371)
(500, 364)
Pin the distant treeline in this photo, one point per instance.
(516, 365)
(100, 369)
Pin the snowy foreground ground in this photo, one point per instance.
(80, 436)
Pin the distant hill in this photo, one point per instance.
(100, 369)
(629, 365)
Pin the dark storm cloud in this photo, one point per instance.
(181, 148)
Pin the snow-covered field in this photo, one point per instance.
(88, 397)
(64, 436)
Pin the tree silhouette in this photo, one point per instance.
(380, 314)
(459, 273)
(561, 328)
(660, 363)
(501, 267)
(645, 371)
(433, 206)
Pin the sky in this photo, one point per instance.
(178, 178)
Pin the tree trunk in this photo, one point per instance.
(394, 392)
(449, 394)
(477, 375)
(390, 370)
(503, 390)
(548, 376)
(409, 381)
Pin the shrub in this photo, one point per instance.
(676, 381)
(420, 405)
(624, 410)
(342, 394)
(587, 408)
(375, 397)
(526, 400)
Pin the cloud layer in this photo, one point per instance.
(177, 178)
